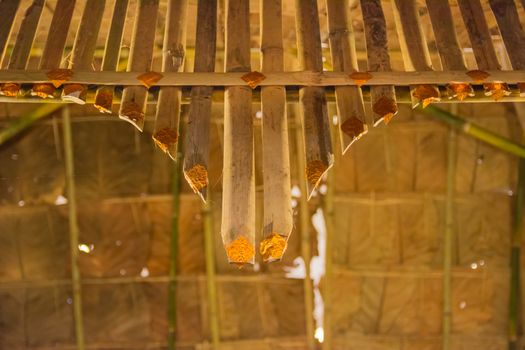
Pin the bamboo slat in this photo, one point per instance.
(24, 41)
(166, 129)
(278, 212)
(238, 197)
(8, 10)
(84, 48)
(349, 99)
(416, 55)
(54, 47)
(448, 46)
(196, 149)
(481, 41)
(104, 95)
(383, 98)
(133, 104)
(312, 100)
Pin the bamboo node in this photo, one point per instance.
(165, 138)
(360, 78)
(75, 93)
(478, 75)
(59, 76)
(460, 91)
(240, 251)
(197, 177)
(149, 79)
(426, 94)
(132, 111)
(253, 79)
(314, 170)
(386, 108)
(9, 89)
(496, 90)
(272, 247)
(104, 100)
(354, 127)
(43, 90)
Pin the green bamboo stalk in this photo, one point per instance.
(477, 131)
(209, 248)
(73, 229)
(514, 323)
(174, 248)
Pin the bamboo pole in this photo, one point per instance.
(84, 48)
(238, 180)
(22, 48)
(165, 132)
(316, 128)
(54, 47)
(481, 41)
(196, 151)
(278, 212)
(383, 97)
(73, 229)
(133, 104)
(448, 46)
(416, 55)
(349, 99)
(8, 10)
(104, 94)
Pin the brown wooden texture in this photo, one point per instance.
(349, 99)
(133, 106)
(511, 30)
(383, 98)
(8, 10)
(316, 126)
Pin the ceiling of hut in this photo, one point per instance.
(385, 233)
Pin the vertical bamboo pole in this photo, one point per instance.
(481, 40)
(196, 151)
(84, 48)
(104, 94)
(306, 250)
(133, 105)
(22, 48)
(8, 10)
(54, 47)
(349, 99)
(238, 181)
(73, 228)
(383, 97)
(448, 46)
(278, 213)
(312, 100)
(165, 133)
(416, 55)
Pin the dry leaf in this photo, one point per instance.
(149, 79)
(59, 76)
(426, 94)
(460, 91)
(253, 79)
(360, 78)
(478, 75)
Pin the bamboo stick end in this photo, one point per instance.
(272, 248)
(9, 89)
(240, 251)
(104, 100)
(460, 91)
(133, 114)
(496, 90)
(197, 178)
(352, 130)
(166, 139)
(315, 171)
(386, 108)
(43, 90)
(425, 94)
(75, 93)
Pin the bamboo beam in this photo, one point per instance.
(416, 55)
(383, 97)
(166, 128)
(196, 151)
(278, 212)
(73, 229)
(133, 104)
(54, 47)
(238, 180)
(481, 41)
(8, 10)
(349, 99)
(105, 94)
(312, 100)
(448, 46)
(84, 48)
(22, 48)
